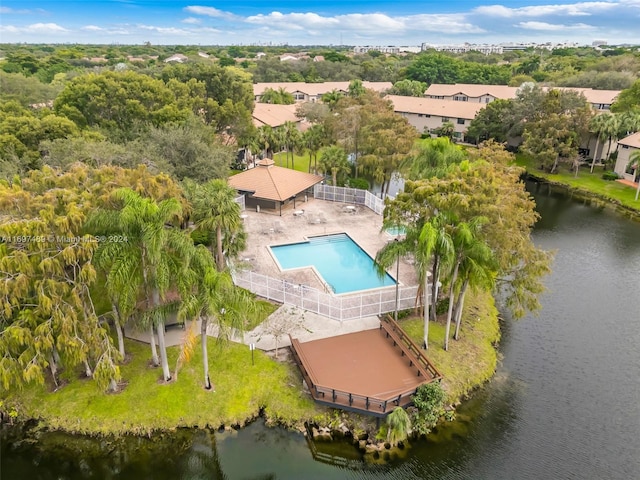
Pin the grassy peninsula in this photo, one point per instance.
(242, 390)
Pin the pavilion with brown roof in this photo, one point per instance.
(269, 187)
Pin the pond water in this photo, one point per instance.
(563, 404)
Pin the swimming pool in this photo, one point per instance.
(341, 263)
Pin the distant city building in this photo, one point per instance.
(489, 49)
(390, 49)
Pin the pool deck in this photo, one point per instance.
(265, 229)
(359, 222)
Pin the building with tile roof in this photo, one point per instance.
(312, 92)
(428, 114)
(269, 188)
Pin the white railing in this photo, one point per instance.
(349, 195)
(339, 307)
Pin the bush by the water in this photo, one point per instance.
(429, 402)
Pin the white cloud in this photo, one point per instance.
(165, 30)
(92, 28)
(366, 23)
(23, 11)
(192, 20)
(208, 11)
(572, 10)
(34, 28)
(553, 27)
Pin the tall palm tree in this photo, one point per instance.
(432, 246)
(610, 128)
(598, 125)
(478, 269)
(467, 246)
(291, 136)
(313, 139)
(212, 296)
(334, 160)
(216, 211)
(150, 254)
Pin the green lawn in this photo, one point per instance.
(145, 404)
(300, 162)
(587, 181)
(470, 361)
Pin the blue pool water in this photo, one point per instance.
(337, 258)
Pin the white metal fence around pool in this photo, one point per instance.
(240, 201)
(339, 307)
(349, 195)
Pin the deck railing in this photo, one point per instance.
(409, 348)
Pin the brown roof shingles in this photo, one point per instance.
(431, 106)
(632, 140)
(270, 182)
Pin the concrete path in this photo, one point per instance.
(275, 329)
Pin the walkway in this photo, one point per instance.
(628, 183)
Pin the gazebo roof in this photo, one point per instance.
(270, 182)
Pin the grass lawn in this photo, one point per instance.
(300, 162)
(587, 181)
(470, 361)
(145, 404)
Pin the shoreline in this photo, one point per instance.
(329, 422)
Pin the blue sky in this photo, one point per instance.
(355, 22)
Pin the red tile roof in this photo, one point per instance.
(270, 182)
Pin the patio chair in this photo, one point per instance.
(278, 227)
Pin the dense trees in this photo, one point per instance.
(487, 187)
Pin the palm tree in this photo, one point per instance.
(598, 125)
(216, 211)
(477, 270)
(610, 128)
(467, 245)
(214, 298)
(334, 160)
(151, 253)
(291, 136)
(313, 139)
(331, 98)
(432, 158)
(265, 140)
(431, 245)
(398, 426)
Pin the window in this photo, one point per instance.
(445, 119)
(299, 96)
(487, 99)
(460, 98)
(461, 121)
(437, 97)
(625, 146)
(421, 114)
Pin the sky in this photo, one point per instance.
(336, 22)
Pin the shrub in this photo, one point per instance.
(429, 402)
(399, 426)
(610, 176)
(359, 182)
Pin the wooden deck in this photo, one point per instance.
(368, 372)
